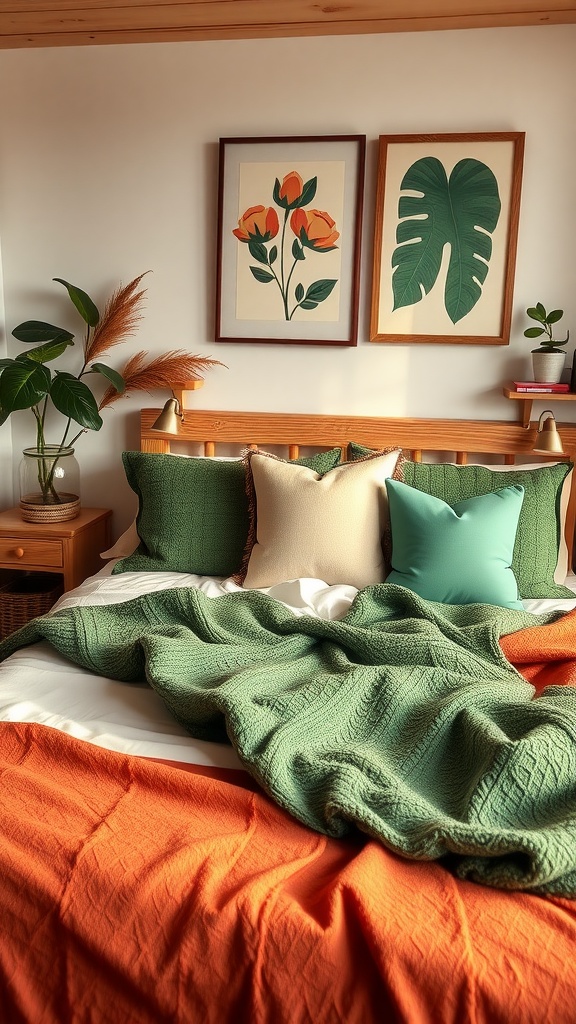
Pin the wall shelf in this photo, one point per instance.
(526, 398)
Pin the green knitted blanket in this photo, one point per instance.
(403, 719)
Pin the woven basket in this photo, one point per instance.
(25, 596)
(36, 512)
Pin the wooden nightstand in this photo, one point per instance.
(70, 549)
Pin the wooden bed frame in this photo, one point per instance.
(459, 441)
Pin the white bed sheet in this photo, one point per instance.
(39, 685)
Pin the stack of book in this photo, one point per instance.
(536, 386)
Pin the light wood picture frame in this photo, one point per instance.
(445, 237)
(289, 235)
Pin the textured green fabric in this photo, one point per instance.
(193, 513)
(456, 554)
(403, 718)
(539, 527)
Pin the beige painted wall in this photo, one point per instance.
(108, 167)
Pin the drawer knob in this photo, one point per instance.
(19, 552)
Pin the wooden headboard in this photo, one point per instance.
(459, 441)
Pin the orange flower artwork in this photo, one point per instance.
(279, 243)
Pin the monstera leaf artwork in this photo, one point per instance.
(445, 237)
(460, 211)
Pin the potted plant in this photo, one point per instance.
(49, 476)
(549, 358)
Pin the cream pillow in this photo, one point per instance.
(125, 545)
(328, 527)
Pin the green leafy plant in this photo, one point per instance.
(28, 382)
(546, 322)
(460, 211)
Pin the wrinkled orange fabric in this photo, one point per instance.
(133, 892)
(545, 655)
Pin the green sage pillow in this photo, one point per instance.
(193, 512)
(455, 554)
(539, 561)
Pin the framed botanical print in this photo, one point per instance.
(289, 234)
(445, 235)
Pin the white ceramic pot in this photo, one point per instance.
(548, 366)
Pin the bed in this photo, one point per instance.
(151, 870)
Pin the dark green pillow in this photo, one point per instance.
(193, 513)
(458, 554)
(540, 525)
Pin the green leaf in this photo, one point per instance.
(36, 332)
(537, 313)
(262, 275)
(553, 345)
(533, 332)
(273, 255)
(297, 250)
(308, 304)
(320, 290)
(113, 376)
(555, 316)
(299, 292)
(74, 399)
(4, 363)
(460, 212)
(45, 353)
(258, 251)
(308, 192)
(23, 384)
(88, 311)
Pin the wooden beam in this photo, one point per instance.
(34, 23)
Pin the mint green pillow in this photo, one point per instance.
(537, 550)
(458, 554)
(193, 512)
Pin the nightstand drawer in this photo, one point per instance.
(23, 551)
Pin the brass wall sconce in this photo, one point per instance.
(548, 440)
(170, 418)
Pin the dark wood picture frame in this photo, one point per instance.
(289, 237)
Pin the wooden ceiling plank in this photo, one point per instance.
(186, 21)
(229, 12)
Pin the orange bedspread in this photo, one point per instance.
(545, 655)
(132, 892)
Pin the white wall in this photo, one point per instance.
(108, 167)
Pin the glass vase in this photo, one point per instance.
(49, 484)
